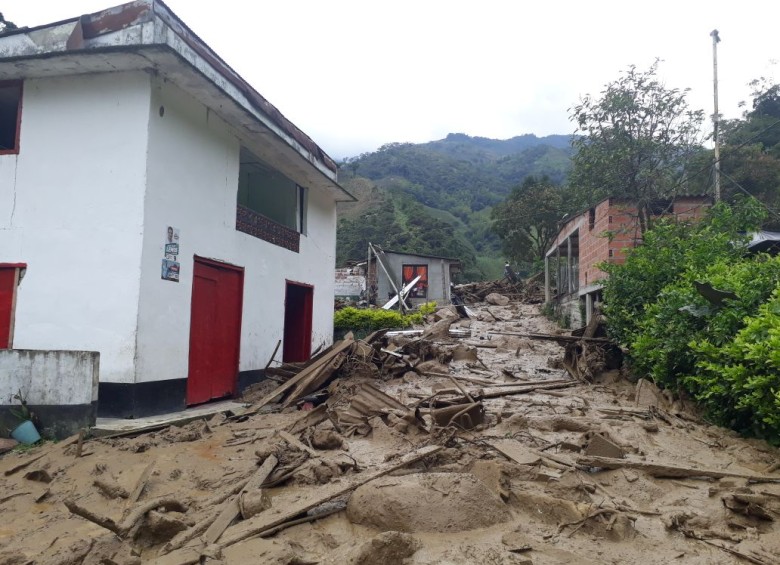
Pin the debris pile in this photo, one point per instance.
(471, 440)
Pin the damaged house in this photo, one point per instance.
(157, 210)
(426, 278)
(595, 236)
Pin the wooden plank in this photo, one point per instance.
(140, 485)
(305, 373)
(316, 380)
(661, 470)
(553, 337)
(230, 509)
(289, 438)
(309, 419)
(271, 360)
(498, 391)
(274, 517)
(267, 520)
(515, 451)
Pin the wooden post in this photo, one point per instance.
(570, 286)
(546, 280)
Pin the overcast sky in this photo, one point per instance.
(357, 74)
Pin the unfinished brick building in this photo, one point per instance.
(599, 235)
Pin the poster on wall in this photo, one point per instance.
(170, 263)
(170, 270)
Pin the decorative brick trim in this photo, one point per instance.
(250, 222)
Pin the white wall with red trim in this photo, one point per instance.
(71, 208)
(99, 176)
(192, 184)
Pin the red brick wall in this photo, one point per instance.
(620, 220)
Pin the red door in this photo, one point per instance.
(9, 279)
(298, 306)
(215, 331)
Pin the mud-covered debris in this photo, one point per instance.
(327, 439)
(602, 447)
(497, 299)
(428, 502)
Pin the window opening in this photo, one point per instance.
(411, 272)
(10, 116)
(269, 205)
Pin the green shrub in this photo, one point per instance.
(371, 319)
(726, 355)
(680, 315)
(739, 382)
(669, 250)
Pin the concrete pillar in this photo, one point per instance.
(588, 307)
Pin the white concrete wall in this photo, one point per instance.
(71, 207)
(192, 184)
(49, 378)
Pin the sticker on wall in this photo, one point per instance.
(170, 264)
(170, 270)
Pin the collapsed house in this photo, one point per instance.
(419, 278)
(156, 210)
(601, 234)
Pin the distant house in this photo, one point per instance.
(161, 211)
(600, 235)
(351, 282)
(402, 268)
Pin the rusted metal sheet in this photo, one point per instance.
(116, 18)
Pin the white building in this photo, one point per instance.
(161, 211)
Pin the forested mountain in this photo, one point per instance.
(436, 197)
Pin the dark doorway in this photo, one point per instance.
(298, 307)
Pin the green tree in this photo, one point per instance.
(638, 137)
(527, 221)
(5, 25)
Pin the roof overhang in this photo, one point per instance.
(146, 36)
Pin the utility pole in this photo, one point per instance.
(715, 117)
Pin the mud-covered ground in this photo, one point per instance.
(466, 503)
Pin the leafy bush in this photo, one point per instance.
(371, 319)
(662, 346)
(725, 354)
(739, 382)
(670, 249)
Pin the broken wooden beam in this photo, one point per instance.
(231, 509)
(305, 373)
(662, 471)
(498, 391)
(275, 517)
(554, 337)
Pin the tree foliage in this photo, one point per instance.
(638, 137)
(750, 153)
(722, 351)
(527, 221)
(5, 25)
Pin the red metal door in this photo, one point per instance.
(7, 289)
(215, 331)
(298, 306)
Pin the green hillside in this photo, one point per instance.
(436, 197)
